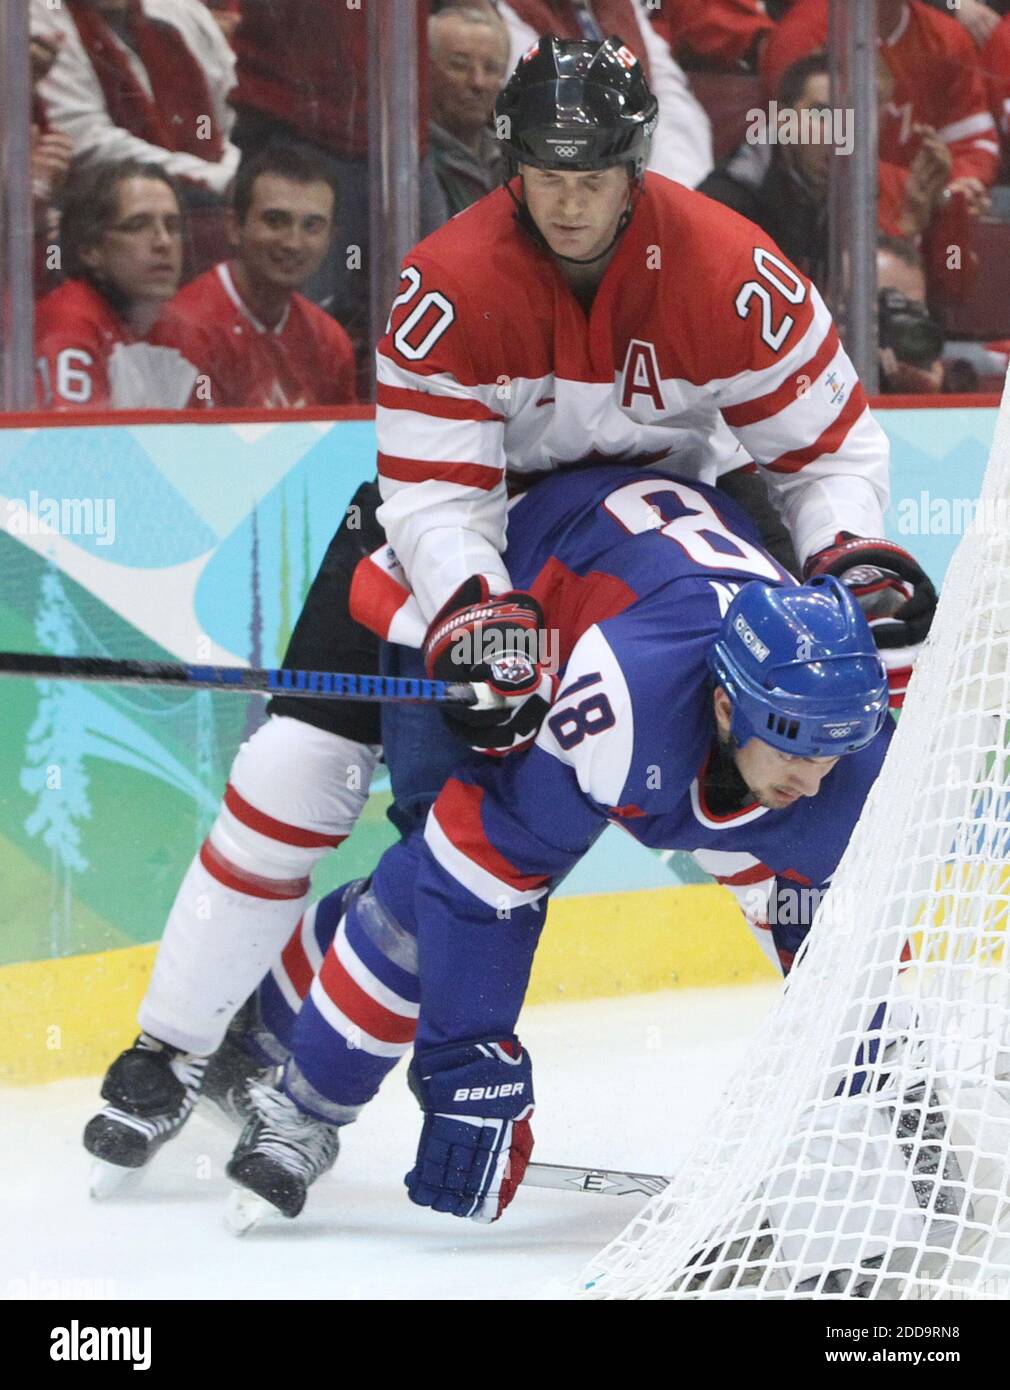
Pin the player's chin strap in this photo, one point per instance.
(525, 219)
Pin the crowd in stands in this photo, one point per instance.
(200, 174)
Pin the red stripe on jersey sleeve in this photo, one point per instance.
(763, 407)
(827, 443)
(375, 597)
(428, 470)
(757, 874)
(458, 813)
(277, 829)
(296, 963)
(426, 403)
(352, 1001)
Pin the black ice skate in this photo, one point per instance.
(233, 1067)
(151, 1089)
(280, 1153)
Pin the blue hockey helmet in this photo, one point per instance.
(801, 669)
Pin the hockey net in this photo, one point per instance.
(863, 1150)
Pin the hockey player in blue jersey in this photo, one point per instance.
(705, 702)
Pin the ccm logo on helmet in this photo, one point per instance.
(749, 638)
(510, 1088)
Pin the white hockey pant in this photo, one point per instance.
(295, 792)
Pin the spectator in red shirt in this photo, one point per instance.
(303, 79)
(121, 242)
(254, 341)
(938, 85)
(995, 61)
(726, 34)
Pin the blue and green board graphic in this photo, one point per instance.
(198, 543)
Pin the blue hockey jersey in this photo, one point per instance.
(635, 572)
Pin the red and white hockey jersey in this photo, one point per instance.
(938, 82)
(490, 366)
(306, 359)
(76, 333)
(89, 358)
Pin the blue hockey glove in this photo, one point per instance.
(477, 1099)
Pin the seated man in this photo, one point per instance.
(690, 728)
(121, 245)
(781, 180)
(254, 341)
(469, 50)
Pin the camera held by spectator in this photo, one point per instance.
(911, 340)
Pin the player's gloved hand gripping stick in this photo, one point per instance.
(495, 643)
(893, 591)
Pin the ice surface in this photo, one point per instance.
(619, 1083)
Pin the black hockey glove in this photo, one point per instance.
(495, 642)
(893, 591)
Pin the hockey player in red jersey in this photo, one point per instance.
(583, 309)
(121, 242)
(254, 340)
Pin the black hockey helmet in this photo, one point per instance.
(571, 104)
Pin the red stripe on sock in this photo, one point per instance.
(276, 829)
(274, 889)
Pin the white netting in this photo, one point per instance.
(863, 1156)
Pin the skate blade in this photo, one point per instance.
(245, 1211)
(107, 1180)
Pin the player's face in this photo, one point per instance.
(286, 232)
(776, 780)
(577, 214)
(141, 252)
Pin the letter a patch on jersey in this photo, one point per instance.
(641, 375)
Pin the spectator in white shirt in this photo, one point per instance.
(145, 80)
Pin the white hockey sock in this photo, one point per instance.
(295, 792)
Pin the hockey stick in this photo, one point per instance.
(610, 1182)
(324, 685)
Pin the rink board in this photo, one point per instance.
(198, 541)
